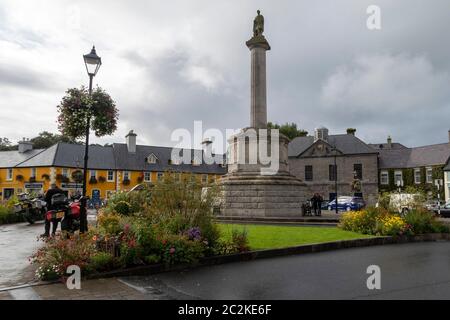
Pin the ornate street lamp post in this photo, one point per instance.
(93, 63)
(335, 178)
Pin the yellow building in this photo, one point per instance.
(118, 167)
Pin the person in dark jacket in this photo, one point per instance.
(48, 199)
(314, 203)
(319, 204)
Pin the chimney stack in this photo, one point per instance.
(207, 146)
(320, 133)
(351, 131)
(25, 145)
(131, 141)
(389, 142)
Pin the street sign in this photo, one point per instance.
(71, 185)
(34, 185)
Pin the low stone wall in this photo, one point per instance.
(270, 253)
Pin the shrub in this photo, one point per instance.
(102, 261)
(123, 208)
(8, 216)
(177, 206)
(364, 221)
(109, 223)
(422, 221)
(240, 240)
(179, 249)
(392, 225)
(60, 252)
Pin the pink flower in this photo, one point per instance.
(172, 250)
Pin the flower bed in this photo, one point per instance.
(171, 223)
(378, 221)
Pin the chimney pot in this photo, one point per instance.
(131, 141)
(389, 142)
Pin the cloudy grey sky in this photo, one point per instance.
(168, 63)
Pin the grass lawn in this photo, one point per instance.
(272, 236)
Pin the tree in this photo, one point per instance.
(5, 145)
(77, 105)
(288, 129)
(46, 139)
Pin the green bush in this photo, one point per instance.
(123, 208)
(7, 215)
(179, 249)
(364, 221)
(422, 221)
(102, 261)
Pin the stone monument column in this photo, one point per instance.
(258, 46)
(248, 189)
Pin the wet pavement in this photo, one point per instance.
(408, 271)
(17, 243)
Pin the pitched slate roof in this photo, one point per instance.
(114, 157)
(9, 159)
(346, 143)
(437, 154)
(138, 161)
(72, 155)
(394, 145)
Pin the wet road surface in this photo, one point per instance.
(408, 271)
(17, 243)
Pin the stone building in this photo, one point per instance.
(316, 159)
(417, 166)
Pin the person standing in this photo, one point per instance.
(319, 204)
(314, 203)
(48, 199)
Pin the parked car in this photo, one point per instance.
(445, 210)
(347, 203)
(434, 204)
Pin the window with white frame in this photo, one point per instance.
(429, 175)
(33, 172)
(9, 174)
(147, 176)
(65, 172)
(417, 176)
(152, 159)
(110, 176)
(384, 177)
(398, 177)
(92, 174)
(160, 175)
(126, 175)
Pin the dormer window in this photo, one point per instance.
(152, 159)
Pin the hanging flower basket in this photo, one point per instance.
(45, 176)
(126, 182)
(19, 177)
(101, 179)
(93, 180)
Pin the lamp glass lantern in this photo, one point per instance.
(92, 62)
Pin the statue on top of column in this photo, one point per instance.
(258, 24)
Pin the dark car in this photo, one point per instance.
(347, 203)
(445, 210)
